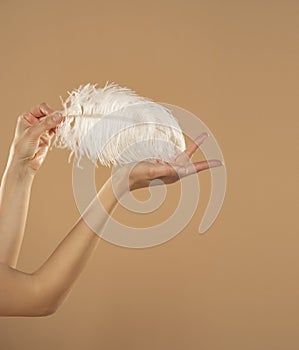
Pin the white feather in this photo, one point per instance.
(114, 125)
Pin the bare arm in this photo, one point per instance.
(27, 153)
(14, 200)
(42, 292)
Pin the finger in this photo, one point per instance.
(195, 144)
(200, 166)
(45, 140)
(185, 156)
(25, 121)
(50, 122)
(30, 119)
(41, 110)
(52, 132)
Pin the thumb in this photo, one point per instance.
(46, 124)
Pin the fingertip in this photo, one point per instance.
(200, 139)
(41, 110)
(45, 108)
(57, 117)
(213, 163)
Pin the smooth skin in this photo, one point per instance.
(42, 292)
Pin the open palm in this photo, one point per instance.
(145, 172)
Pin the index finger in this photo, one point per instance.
(190, 150)
(184, 157)
(41, 110)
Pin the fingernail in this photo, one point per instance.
(57, 116)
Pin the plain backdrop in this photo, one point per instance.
(234, 64)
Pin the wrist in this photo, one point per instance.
(19, 170)
(122, 181)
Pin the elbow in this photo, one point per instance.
(47, 312)
(30, 297)
(45, 304)
(41, 308)
(44, 310)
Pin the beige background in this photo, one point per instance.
(235, 65)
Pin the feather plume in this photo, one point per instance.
(113, 125)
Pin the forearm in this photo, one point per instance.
(14, 201)
(60, 271)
